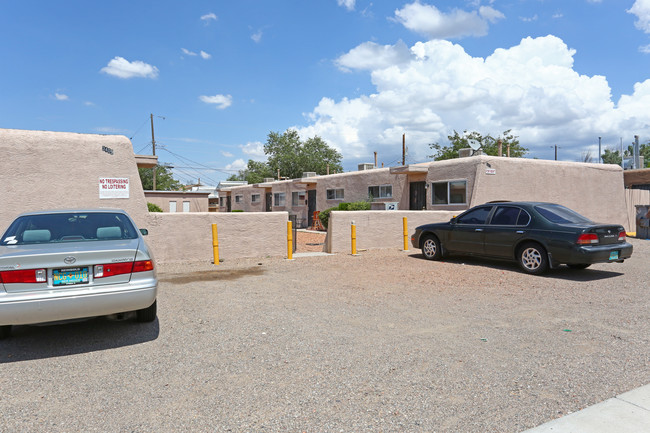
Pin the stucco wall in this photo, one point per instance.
(48, 170)
(178, 237)
(377, 229)
(593, 190)
(198, 201)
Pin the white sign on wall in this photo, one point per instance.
(113, 187)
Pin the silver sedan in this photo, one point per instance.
(68, 264)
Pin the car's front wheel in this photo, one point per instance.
(532, 258)
(147, 314)
(5, 331)
(431, 248)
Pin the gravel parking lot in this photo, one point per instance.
(384, 342)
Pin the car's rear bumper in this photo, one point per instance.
(20, 308)
(600, 253)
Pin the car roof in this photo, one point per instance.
(518, 203)
(60, 211)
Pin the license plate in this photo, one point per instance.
(613, 255)
(67, 277)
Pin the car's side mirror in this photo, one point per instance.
(144, 232)
(452, 220)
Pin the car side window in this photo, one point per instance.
(475, 216)
(505, 216)
(524, 218)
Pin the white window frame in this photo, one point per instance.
(448, 192)
(383, 191)
(172, 206)
(239, 198)
(255, 198)
(186, 206)
(298, 198)
(335, 194)
(279, 199)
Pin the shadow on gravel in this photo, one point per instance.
(562, 273)
(29, 342)
(225, 275)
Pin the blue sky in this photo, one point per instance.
(359, 74)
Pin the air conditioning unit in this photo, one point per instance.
(391, 205)
(366, 166)
(464, 153)
(269, 179)
(309, 174)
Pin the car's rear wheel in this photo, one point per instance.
(5, 331)
(532, 258)
(579, 265)
(431, 248)
(147, 314)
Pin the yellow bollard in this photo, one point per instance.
(406, 234)
(353, 239)
(215, 244)
(289, 240)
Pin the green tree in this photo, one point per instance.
(611, 156)
(164, 179)
(489, 145)
(255, 172)
(287, 153)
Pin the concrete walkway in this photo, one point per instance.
(626, 413)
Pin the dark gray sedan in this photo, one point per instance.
(536, 235)
(68, 264)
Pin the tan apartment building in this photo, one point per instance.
(595, 190)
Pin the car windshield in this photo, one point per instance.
(68, 227)
(561, 215)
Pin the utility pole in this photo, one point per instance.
(556, 148)
(599, 150)
(153, 145)
(404, 149)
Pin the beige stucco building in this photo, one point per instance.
(595, 190)
(179, 201)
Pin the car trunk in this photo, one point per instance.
(68, 264)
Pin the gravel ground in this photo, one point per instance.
(384, 342)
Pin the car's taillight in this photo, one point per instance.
(587, 239)
(142, 266)
(108, 270)
(622, 236)
(23, 276)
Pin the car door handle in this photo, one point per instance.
(520, 232)
(478, 230)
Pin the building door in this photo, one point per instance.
(172, 206)
(186, 206)
(311, 206)
(417, 196)
(228, 204)
(269, 202)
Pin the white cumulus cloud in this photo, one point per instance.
(348, 4)
(238, 164)
(641, 8)
(428, 20)
(370, 56)
(530, 88)
(205, 55)
(208, 18)
(221, 101)
(61, 97)
(254, 149)
(122, 68)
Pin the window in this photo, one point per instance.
(239, 198)
(454, 192)
(186, 206)
(335, 194)
(220, 201)
(380, 191)
(510, 216)
(255, 198)
(474, 216)
(561, 215)
(278, 199)
(298, 198)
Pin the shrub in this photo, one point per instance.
(237, 210)
(153, 207)
(357, 205)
